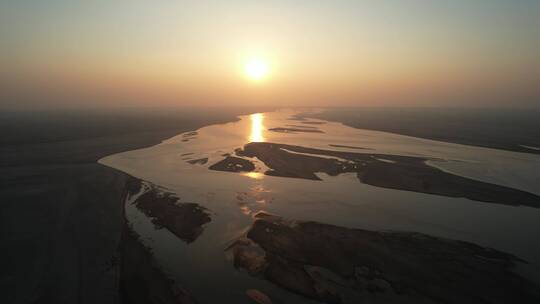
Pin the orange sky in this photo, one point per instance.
(319, 53)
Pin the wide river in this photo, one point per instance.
(206, 270)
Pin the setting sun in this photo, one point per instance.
(256, 69)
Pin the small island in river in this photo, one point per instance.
(341, 265)
(380, 170)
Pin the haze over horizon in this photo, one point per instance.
(346, 53)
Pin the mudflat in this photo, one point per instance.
(183, 219)
(233, 164)
(341, 265)
(381, 170)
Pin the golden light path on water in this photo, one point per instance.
(255, 175)
(257, 127)
(256, 135)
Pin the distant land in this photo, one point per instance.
(499, 128)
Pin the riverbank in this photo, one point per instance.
(62, 218)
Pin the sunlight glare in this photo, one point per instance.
(256, 69)
(254, 175)
(257, 127)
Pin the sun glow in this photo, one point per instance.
(257, 127)
(256, 69)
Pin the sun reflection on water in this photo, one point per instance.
(255, 175)
(257, 127)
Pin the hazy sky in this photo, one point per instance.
(451, 53)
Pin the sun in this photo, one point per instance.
(256, 69)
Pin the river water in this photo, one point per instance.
(206, 270)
